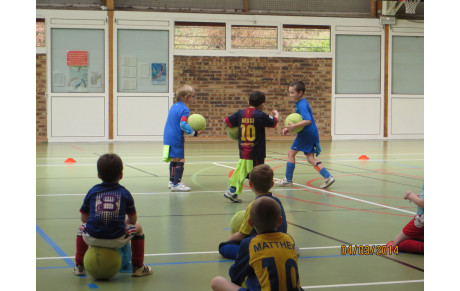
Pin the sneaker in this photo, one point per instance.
(79, 270)
(327, 182)
(233, 197)
(142, 271)
(170, 184)
(180, 188)
(284, 183)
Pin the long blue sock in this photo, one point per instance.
(325, 173)
(290, 170)
(178, 171)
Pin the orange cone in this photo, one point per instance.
(70, 161)
(363, 157)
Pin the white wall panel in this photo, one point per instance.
(77, 117)
(407, 116)
(357, 116)
(141, 116)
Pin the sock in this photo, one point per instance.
(232, 189)
(229, 249)
(411, 246)
(325, 173)
(172, 165)
(82, 247)
(290, 171)
(137, 250)
(178, 171)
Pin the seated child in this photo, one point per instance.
(411, 238)
(260, 180)
(267, 261)
(103, 214)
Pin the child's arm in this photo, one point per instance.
(131, 219)
(240, 269)
(237, 236)
(414, 198)
(186, 128)
(291, 126)
(276, 114)
(84, 217)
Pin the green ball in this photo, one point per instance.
(102, 263)
(232, 132)
(197, 122)
(294, 118)
(236, 221)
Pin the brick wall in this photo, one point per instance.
(41, 120)
(223, 85)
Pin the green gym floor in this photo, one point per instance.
(363, 207)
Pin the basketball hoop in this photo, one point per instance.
(411, 5)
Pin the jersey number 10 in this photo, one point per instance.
(290, 264)
(248, 132)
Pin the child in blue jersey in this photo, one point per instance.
(307, 139)
(267, 261)
(260, 180)
(251, 123)
(109, 218)
(173, 137)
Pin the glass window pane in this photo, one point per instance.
(254, 37)
(40, 32)
(407, 65)
(143, 61)
(301, 38)
(199, 36)
(77, 60)
(357, 64)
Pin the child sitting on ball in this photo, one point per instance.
(173, 137)
(267, 261)
(109, 218)
(260, 180)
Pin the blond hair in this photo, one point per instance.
(183, 91)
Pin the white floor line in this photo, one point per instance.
(340, 195)
(362, 284)
(201, 253)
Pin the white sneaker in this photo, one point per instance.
(327, 182)
(142, 271)
(180, 188)
(79, 270)
(232, 196)
(284, 183)
(170, 184)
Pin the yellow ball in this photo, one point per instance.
(102, 263)
(294, 118)
(232, 132)
(197, 122)
(236, 221)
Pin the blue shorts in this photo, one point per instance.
(304, 145)
(176, 152)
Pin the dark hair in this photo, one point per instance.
(256, 98)
(109, 167)
(262, 178)
(299, 86)
(265, 214)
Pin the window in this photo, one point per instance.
(199, 36)
(306, 38)
(40, 32)
(254, 37)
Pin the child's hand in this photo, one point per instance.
(408, 194)
(274, 112)
(199, 132)
(284, 131)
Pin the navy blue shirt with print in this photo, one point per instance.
(107, 205)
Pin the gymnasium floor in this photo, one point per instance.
(183, 230)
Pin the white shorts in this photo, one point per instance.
(114, 243)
